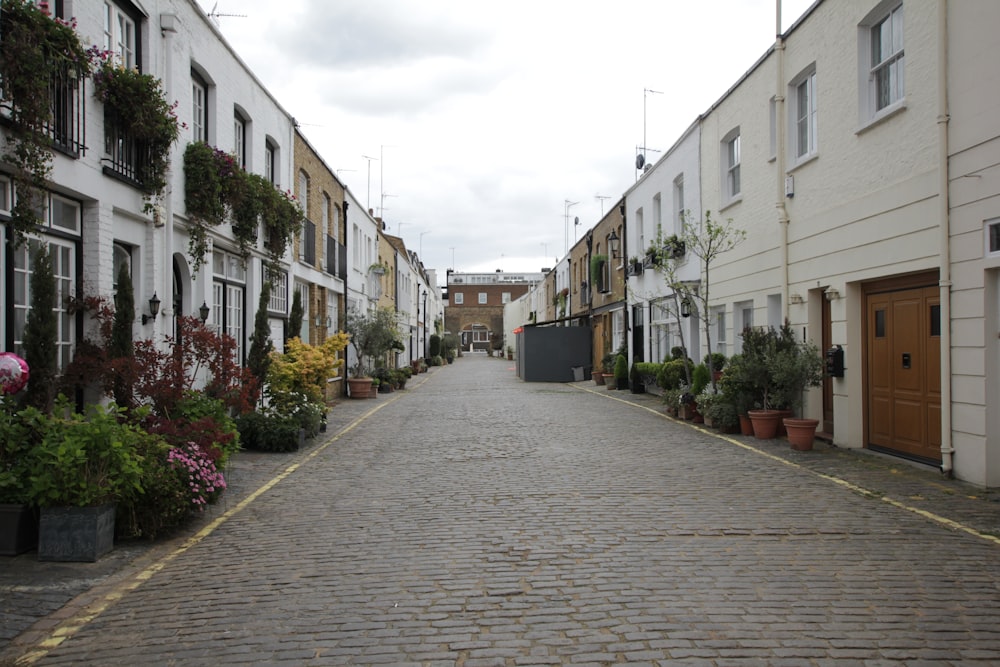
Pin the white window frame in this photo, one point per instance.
(63, 255)
(679, 204)
(459, 298)
(278, 302)
(890, 63)
(199, 109)
(505, 297)
(731, 157)
(802, 116)
(240, 139)
(119, 35)
(270, 154)
(483, 298)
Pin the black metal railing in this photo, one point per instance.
(126, 157)
(66, 129)
(308, 241)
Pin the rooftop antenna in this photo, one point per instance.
(601, 199)
(215, 15)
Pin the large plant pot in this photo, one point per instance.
(610, 382)
(801, 433)
(18, 529)
(76, 534)
(746, 426)
(359, 387)
(598, 377)
(765, 423)
(782, 414)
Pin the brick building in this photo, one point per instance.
(475, 304)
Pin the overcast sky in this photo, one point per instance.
(483, 119)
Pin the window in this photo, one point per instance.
(657, 211)
(679, 204)
(62, 255)
(228, 290)
(505, 297)
(993, 238)
(122, 257)
(731, 165)
(240, 139)
(719, 318)
(119, 35)
(887, 59)
(270, 151)
(278, 302)
(803, 109)
(482, 298)
(459, 298)
(881, 62)
(303, 194)
(199, 108)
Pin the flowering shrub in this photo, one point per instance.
(305, 368)
(37, 50)
(204, 482)
(215, 186)
(136, 103)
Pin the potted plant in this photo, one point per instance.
(80, 467)
(621, 372)
(372, 334)
(704, 403)
(608, 370)
(795, 369)
(636, 383)
(715, 362)
(672, 400)
(723, 416)
(738, 386)
(18, 519)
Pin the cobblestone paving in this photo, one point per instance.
(476, 520)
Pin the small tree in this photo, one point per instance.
(707, 241)
(372, 335)
(259, 357)
(295, 316)
(41, 334)
(120, 347)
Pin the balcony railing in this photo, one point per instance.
(127, 158)
(307, 251)
(65, 127)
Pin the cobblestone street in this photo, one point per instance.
(477, 520)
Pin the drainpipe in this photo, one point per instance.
(780, 129)
(947, 450)
(168, 27)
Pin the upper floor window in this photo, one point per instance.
(270, 155)
(303, 193)
(240, 139)
(731, 165)
(804, 115)
(119, 35)
(199, 108)
(459, 298)
(482, 298)
(883, 84)
(679, 204)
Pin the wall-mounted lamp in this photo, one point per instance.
(154, 309)
(204, 311)
(320, 321)
(831, 294)
(686, 306)
(613, 242)
(795, 299)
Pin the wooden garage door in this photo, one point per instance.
(904, 373)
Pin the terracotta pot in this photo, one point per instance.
(359, 387)
(746, 426)
(598, 377)
(765, 423)
(801, 433)
(610, 381)
(781, 421)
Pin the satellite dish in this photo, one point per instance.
(640, 160)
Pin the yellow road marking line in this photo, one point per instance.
(937, 518)
(78, 621)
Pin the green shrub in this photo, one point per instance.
(165, 501)
(671, 374)
(435, 345)
(621, 371)
(700, 378)
(269, 432)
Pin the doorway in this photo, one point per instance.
(903, 355)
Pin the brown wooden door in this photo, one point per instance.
(904, 373)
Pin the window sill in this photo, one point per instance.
(882, 116)
(802, 162)
(732, 202)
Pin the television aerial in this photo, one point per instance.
(215, 14)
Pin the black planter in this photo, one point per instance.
(18, 529)
(76, 534)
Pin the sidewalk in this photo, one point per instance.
(918, 488)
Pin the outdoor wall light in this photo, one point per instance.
(204, 311)
(686, 306)
(795, 299)
(613, 242)
(831, 294)
(154, 309)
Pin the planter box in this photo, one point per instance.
(18, 529)
(76, 534)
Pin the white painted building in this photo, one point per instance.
(656, 207)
